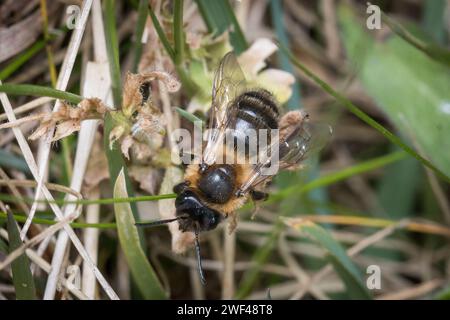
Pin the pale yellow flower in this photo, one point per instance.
(276, 81)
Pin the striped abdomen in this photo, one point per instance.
(255, 110)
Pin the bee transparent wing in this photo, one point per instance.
(229, 83)
(302, 142)
(299, 143)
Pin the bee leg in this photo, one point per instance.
(179, 188)
(258, 195)
(182, 153)
(203, 167)
(255, 210)
(232, 223)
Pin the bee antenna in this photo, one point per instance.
(199, 259)
(158, 222)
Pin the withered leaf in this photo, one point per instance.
(67, 118)
(149, 178)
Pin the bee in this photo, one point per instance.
(213, 189)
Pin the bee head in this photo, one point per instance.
(198, 217)
(192, 215)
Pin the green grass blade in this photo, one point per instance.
(116, 163)
(219, 17)
(3, 246)
(336, 254)
(48, 222)
(140, 26)
(141, 270)
(363, 116)
(21, 273)
(9, 198)
(177, 54)
(338, 176)
(112, 48)
(434, 51)
(443, 294)
(190, 117)
(434, 19)
(161, 34)
(39, 91)
(398, 187)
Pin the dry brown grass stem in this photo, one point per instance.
(355, 249)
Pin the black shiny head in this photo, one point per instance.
(217, 183)
(198, 217)
(192, 215)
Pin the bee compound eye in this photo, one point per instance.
(210, 219)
